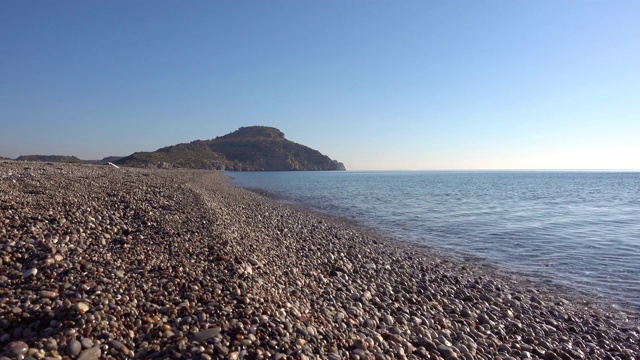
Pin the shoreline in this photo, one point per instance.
(133, 263)
(589, 299)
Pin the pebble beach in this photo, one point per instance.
(105, 263)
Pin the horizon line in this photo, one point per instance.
(431, 170)
(491, 169)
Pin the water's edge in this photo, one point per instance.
(624, 316)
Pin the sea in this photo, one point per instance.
(578, 230)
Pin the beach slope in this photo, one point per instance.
(99, 262)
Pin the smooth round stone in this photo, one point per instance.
(444, 341)
(50, 344)
(16, 348)
(254, 262)
(302, 332)
(206, 334)
(361, 344)
(370, 324)
(82, 307)
(447, 352)
(311, 331)
(394, 330)
(86, 343)
(30, 272)
(74, 347)
(48, 294)
(119, 346)
(93, 353)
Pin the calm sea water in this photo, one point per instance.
(577, 229)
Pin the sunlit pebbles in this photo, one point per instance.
(98, 262)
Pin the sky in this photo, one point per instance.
(378, 85)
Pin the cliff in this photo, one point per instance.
(253, 148)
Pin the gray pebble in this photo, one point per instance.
(86, 343)
(206, 334)
(119, 346)
(93, 353)
(74, 347)
(30, 272)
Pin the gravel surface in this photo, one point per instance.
(98, 262)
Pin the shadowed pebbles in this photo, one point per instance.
(98, 262)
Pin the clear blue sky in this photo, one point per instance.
(375, 84)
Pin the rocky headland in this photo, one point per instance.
(250, 148)
(98, 262)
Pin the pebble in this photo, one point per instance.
(447, 352)
(74, 347)
(48, 294)
(119, 346)
(254, 262)
(93, 353)
(81, 307)
(86, 343)
(30, 272)
(206, 334)
(16, 348)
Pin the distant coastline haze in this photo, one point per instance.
(411, 85)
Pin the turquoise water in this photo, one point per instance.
(577, 229)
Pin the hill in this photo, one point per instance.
(49, 158)
(66, 159)
(253, 148)
(105, 160)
